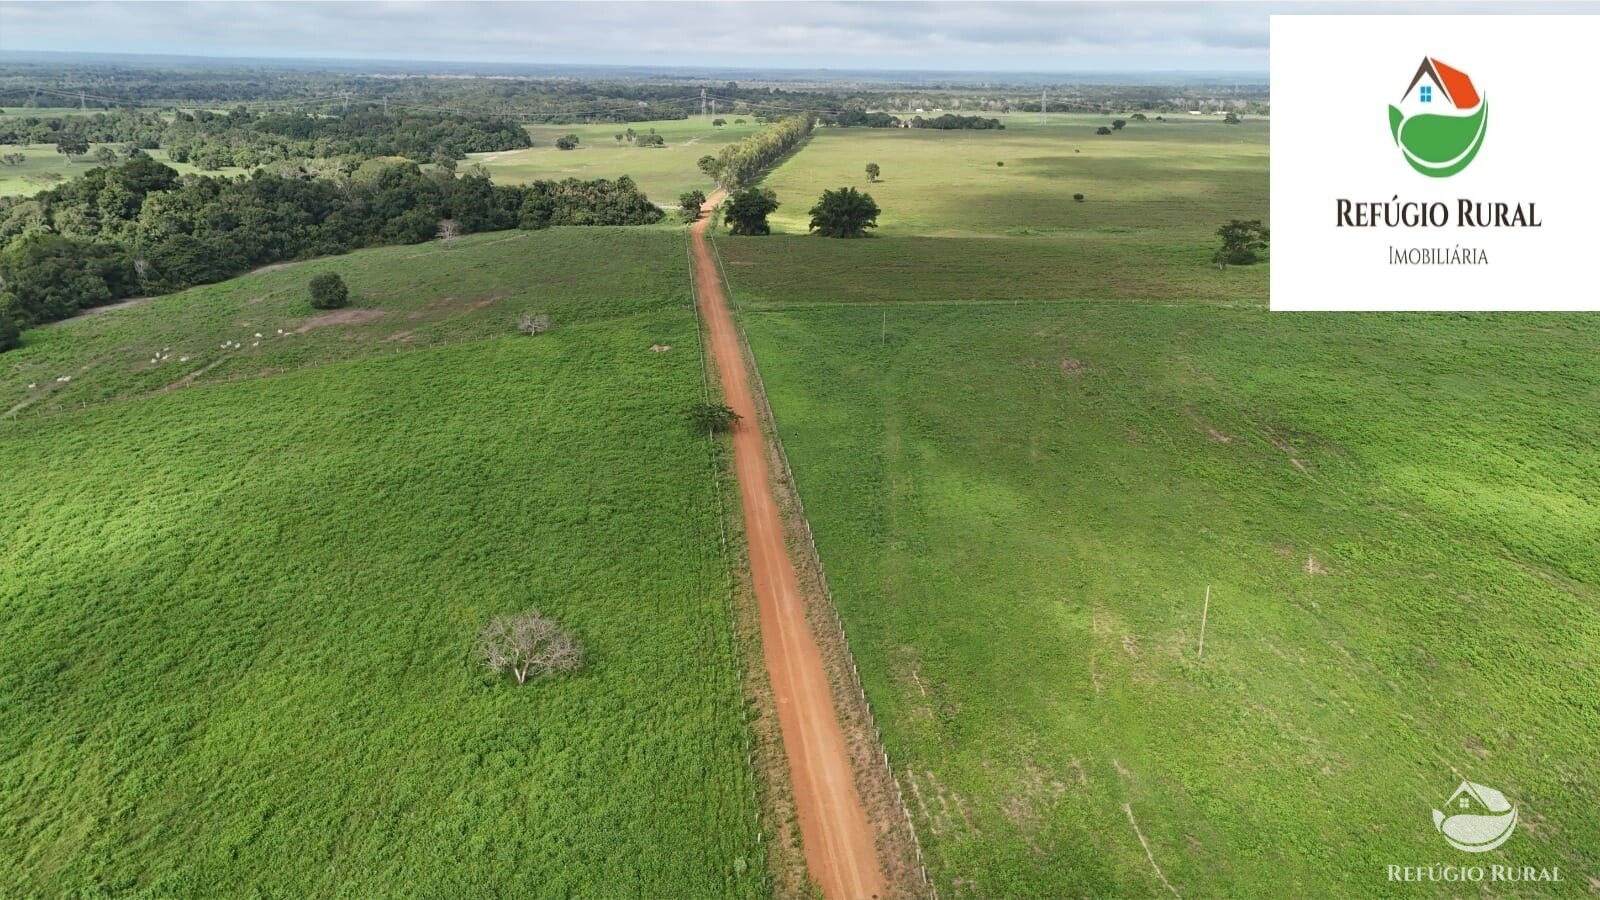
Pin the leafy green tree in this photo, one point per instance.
(1102, 130)
(844, 213)
(70, 146)
(650, 140)
(567, 142)
(1241, 241)
(328, 291)
(689, 203)
(873, 171)
(1119, 124)
(1078, 197)
(619, 136)
(746, 210)
(1231, 118)
(718, 123)
(105, 156)
(709, 167)
(713, 417)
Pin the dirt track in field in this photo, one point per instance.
(839, 846)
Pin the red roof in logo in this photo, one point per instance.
(1452, 82)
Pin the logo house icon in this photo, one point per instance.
(1440, 121)
(1476, 818)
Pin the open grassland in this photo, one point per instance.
(236, 619)
(402, 298)
(1021, 507)
(1025, 457)
(1175, 179)
(661, 172)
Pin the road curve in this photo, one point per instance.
(840, 852)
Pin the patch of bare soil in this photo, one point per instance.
(660, 348)
(341, 317)
(1070, 366)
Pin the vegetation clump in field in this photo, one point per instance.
(533, 323)
(844, 213)
(10, 335)
(689, 204)
(746, 211)
(1241, 241)
(873, 171)
(713, 418)
(328, 291)
(567, 142)
(528, 645)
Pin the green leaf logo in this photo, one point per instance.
(1440, 122)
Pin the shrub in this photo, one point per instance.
(689, 203)
(1078, 197)
(567, 142)
(718, 123)
(713, 418)
(1102, 130)
(328, 291)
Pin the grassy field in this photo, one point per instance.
(236, 619)
(45, 168)
(1177, 179)
(1025, 458)
(663, 173)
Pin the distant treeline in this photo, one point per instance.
(140, 228)
(743, 162)
(947, 122)
(247, 139)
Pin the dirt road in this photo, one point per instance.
(839, 848)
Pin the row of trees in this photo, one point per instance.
(212, 140)
(743, 162)
(139, 228)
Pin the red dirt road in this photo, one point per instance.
(839, 847)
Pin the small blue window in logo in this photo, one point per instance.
(1426, 93)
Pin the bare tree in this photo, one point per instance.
(533, 324)
(528, 644)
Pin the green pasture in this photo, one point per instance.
(662, 172)
(1175, 179)
(1029, 434)
(237, 616)
(1021, 507)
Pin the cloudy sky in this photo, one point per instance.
(945, 36)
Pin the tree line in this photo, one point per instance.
(850, 118)
(741, 163)
(212, 140)
(140, 228)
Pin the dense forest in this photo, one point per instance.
(140, 228)
(212, 140)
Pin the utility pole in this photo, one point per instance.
(1203, 613)
(702, 103)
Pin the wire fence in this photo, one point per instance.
(787, 474)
